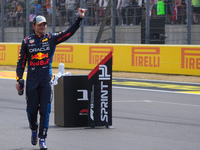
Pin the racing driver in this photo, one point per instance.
(38, 49)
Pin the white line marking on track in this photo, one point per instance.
(156, 80)
(171, 103)
(7, 79)
(176, 92)
(151, 101)
(132, 101)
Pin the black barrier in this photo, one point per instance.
(85, 100)
(100, 93)
(71, 101)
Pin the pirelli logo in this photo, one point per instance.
(63, 54)
(2, 52)
(146, 56)
(96, 54)
(190, 58)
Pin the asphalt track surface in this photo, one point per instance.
(147, 115)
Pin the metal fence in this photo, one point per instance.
(107, 21)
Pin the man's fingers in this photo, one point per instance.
(17, 86)
(82, 10)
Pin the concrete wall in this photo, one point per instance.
(176, 34)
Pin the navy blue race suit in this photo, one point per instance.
(38, 51)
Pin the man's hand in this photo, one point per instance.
(17, 86)
(81, 12)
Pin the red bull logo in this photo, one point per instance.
(39, 56)
(40, 62)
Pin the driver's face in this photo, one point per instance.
(40, 28)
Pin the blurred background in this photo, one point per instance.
(107, 21)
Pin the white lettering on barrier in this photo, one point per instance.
(104, 71)
(104, 92)
(92, 104)
(85, 95)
